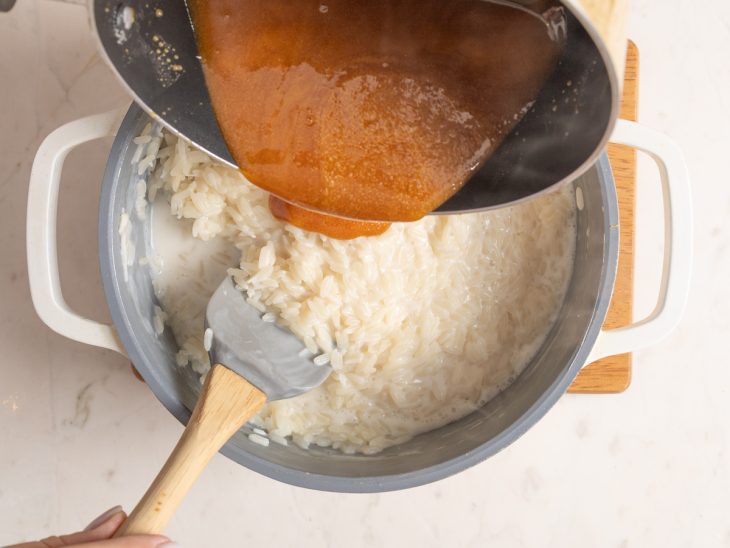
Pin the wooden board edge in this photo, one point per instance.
(613, 375)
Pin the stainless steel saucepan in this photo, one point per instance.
(151, 47)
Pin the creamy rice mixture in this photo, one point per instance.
(421, 325)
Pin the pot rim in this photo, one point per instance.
(369, 484)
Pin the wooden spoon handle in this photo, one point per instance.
(225, 404)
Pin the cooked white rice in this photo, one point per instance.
(126, 249)
(421, 325)
(257, 438)
(159, 317)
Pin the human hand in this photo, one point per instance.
(98, 535)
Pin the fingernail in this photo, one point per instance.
(169, 545)
(102, 518)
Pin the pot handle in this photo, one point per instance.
(45, 283)
(677, 267)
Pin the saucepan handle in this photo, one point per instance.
(677, 267)
(45, 284)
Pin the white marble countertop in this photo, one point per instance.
(650, 467)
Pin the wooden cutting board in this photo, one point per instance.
(613, 374)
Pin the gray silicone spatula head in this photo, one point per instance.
(268, 356)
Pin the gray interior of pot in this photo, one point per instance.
(559, 137)
(428, 457)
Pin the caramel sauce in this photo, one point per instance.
(375, 110)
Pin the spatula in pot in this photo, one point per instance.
(255, 361)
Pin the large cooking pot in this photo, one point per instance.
(576, 338)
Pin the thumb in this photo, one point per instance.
(133, 541)
(98, 534)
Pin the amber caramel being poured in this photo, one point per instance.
(374, 110)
